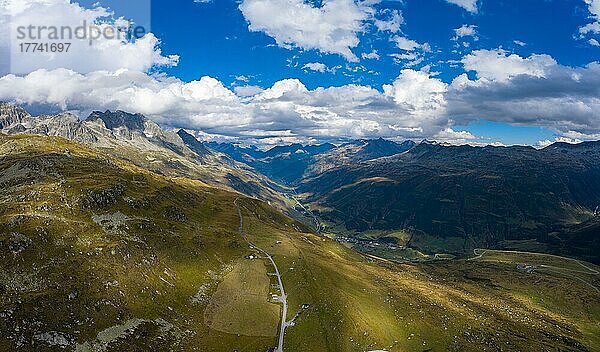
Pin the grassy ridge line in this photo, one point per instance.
(479, 252)
(541, 261)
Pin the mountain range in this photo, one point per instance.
(118, 235)
(445, 198)
(135, 138)
(291, 164)
(469, 197)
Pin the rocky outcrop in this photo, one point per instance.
(118, 119)
(11, 115)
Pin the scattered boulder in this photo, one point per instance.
(54, 339)
(101, 199)
(16, 243)
(174, 214)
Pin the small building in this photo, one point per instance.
(528, 268)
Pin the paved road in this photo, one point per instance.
(283, 296)
(479, 252)
(315, 218)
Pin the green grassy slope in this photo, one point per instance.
(99, 255)
(360, 304)
(161, 242)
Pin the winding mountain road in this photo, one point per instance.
(282, 297)
(479, 253)
(309, 212)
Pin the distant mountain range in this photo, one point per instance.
(459, 198)
(291, 164)
(447, 198)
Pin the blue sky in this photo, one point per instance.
(216, 37)
(213, 39)
(526, 69)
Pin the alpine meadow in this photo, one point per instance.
(299, 175)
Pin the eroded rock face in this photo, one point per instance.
(11, 115)
(118, 119)
(115, 130)
(131, 330)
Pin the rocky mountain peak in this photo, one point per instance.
(193, 143)
(382, 147)
(116, 119)
(11, 115)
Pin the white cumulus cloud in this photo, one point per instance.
(319, 67)
(533, 90)
(412, 106)
(407, 44)
(466, 31)
(592, 27)
(332, 28)
(419, 93)
(392, 21)
(416, 104)
(373, 55)
(469, 5)
(501, 66)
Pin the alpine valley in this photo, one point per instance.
(119, 235)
